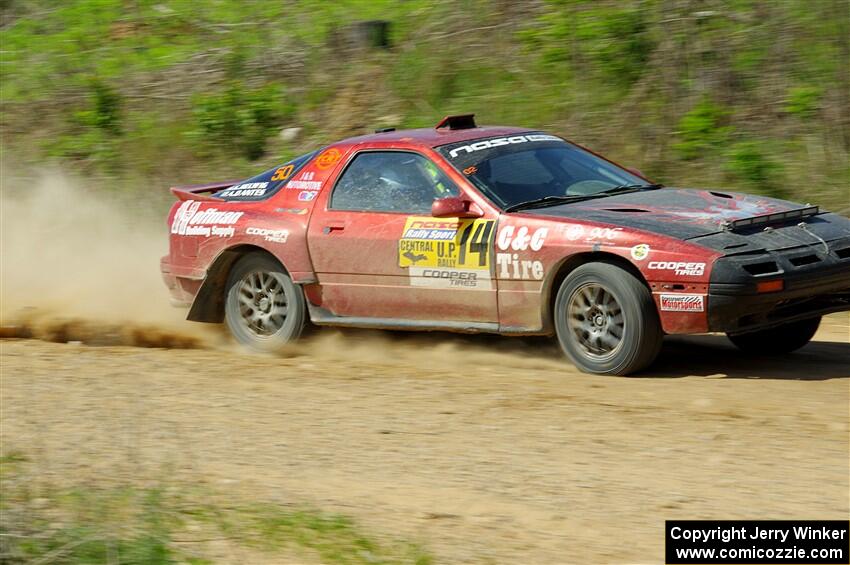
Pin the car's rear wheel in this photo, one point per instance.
(263, 308)
(778, 340)
(606, 321)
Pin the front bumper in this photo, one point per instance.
(815, 279)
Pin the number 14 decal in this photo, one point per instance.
(475, 238)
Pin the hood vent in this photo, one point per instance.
(719, 194)
(804, 260)
(764, 268)
(624, 210)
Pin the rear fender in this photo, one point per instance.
(208, 304)
(284, 239)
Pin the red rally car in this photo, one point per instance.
(504, 230)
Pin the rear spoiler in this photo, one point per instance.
(200, 191)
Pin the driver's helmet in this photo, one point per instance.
(437, 178)
(414, 182)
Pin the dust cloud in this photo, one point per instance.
(80, 261)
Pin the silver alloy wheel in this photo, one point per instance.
(263, 303)
(596, 320)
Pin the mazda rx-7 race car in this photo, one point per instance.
(504, 230)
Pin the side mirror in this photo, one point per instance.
(455, 207)
(636, 171)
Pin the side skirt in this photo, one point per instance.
(322, 317)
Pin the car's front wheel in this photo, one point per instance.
(263, 308)
(781, 339)
(606, 321)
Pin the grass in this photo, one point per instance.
(748, 95)
(169, 524)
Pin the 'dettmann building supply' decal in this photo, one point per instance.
(189, 219)
(447, 253)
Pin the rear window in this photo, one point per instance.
(266, 183)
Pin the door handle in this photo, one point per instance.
(333, 226)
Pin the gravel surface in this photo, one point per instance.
(485, 450)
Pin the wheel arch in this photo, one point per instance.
(571, 263)
(208, 305)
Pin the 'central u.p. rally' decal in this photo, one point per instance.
(447, 253)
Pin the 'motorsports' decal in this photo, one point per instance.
(449, 253)
(683, 302)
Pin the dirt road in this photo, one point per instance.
(485, 450)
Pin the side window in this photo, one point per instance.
(391, 181)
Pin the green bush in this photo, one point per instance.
(239, 120)
(106, 114)
(701, 131)
(803, 101)
(92, 133)
(614, 40)
(750, 163)
(620, 45)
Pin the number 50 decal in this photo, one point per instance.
(283, 173)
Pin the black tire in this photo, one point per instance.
(625, 306)
(263, 308)
(778, 340)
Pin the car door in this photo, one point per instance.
(378, 253)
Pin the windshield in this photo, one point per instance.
(522, 168)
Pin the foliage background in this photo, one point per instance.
(745, 94)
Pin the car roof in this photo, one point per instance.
(434, 137)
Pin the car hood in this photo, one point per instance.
(674, 212)
(699, 217)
